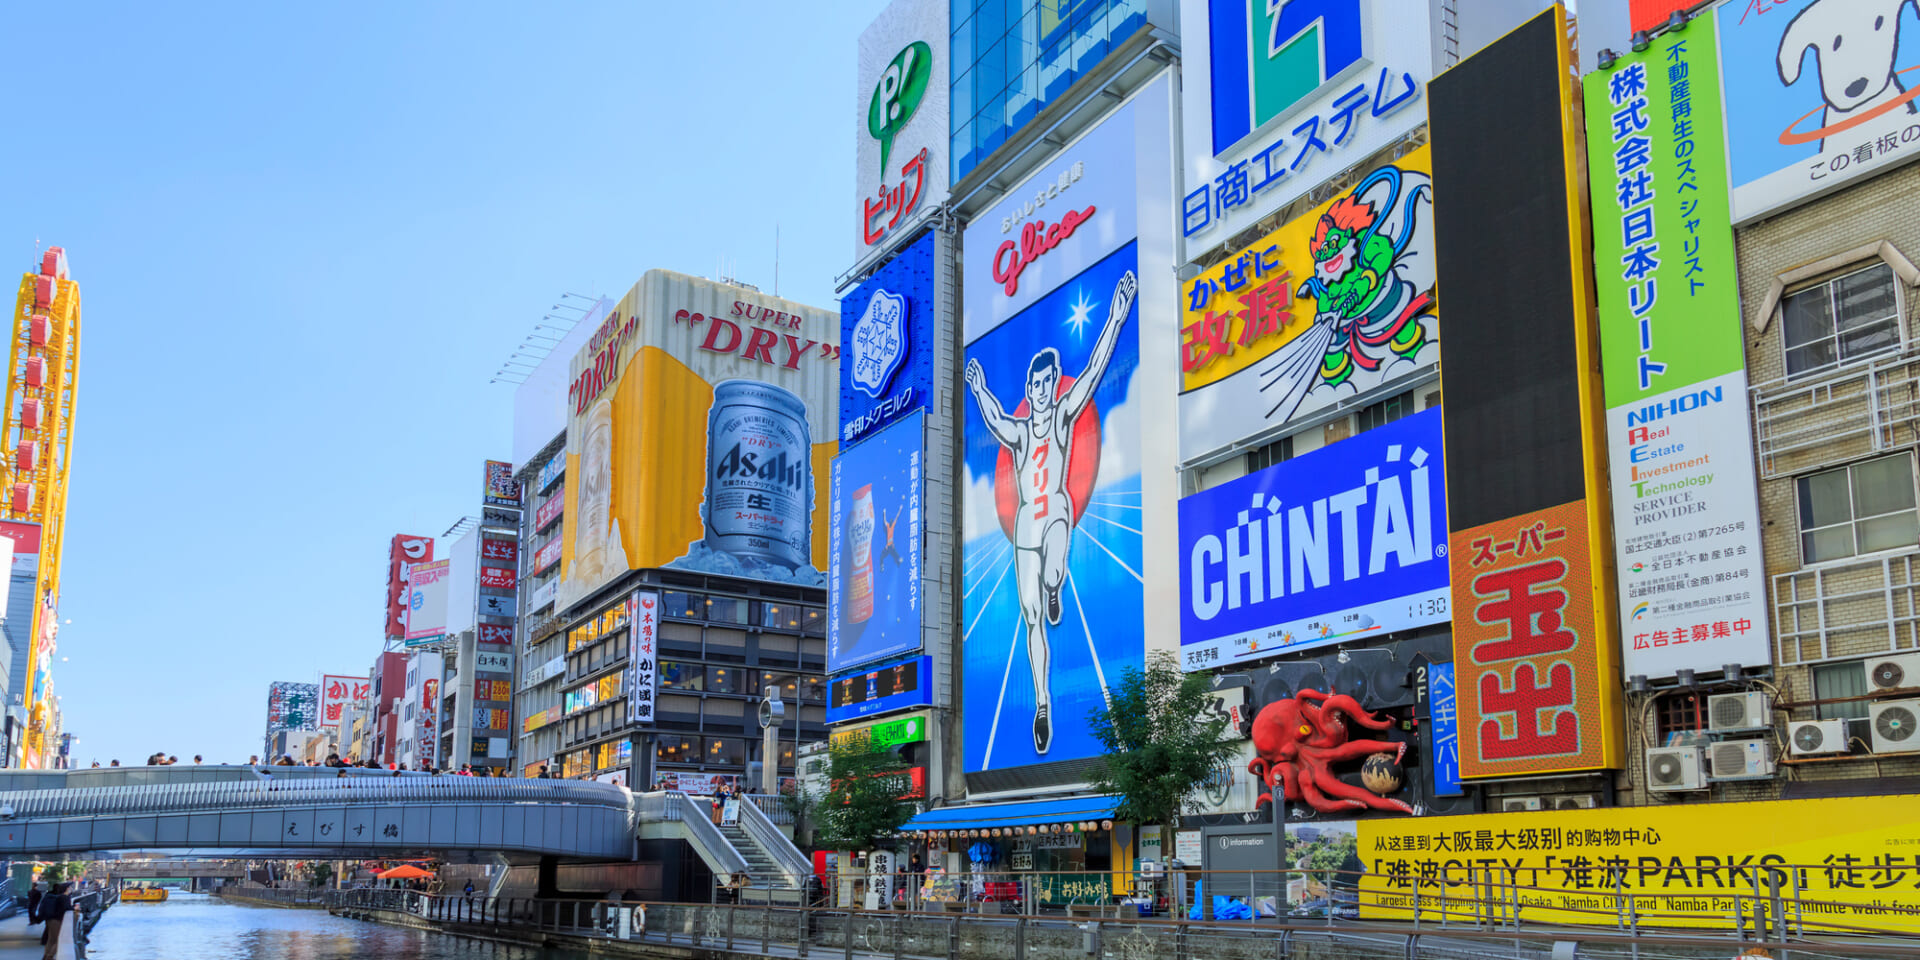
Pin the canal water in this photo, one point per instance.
(199, 927)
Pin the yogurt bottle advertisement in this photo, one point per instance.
(873, 595)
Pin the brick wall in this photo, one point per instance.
(1833, 427)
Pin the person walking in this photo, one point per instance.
(53, 909)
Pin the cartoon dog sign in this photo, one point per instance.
(1818, 94)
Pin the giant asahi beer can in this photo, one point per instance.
(759, 499)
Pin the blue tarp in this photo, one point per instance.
(1020, 814)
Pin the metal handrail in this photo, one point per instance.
(762, 831)
(757, 928)
(670, 806)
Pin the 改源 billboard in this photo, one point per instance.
(1335, 305)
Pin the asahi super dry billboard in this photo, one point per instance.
(702, 416)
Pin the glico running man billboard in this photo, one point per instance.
(1052, 593)
(873, 595)
(701, 420)
(1346, 542)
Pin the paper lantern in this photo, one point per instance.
(1106, 824)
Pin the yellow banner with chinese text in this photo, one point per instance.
(1851, 862)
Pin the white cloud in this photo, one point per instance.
(977, 515)
(1120, 437)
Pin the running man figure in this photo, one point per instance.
(1039, 445)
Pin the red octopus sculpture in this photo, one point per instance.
(1299, 740)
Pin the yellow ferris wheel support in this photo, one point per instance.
(36, 445)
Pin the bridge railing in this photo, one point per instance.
(769, 929)
(286, 896)
(237, 795)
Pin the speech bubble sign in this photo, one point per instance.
(902, 85)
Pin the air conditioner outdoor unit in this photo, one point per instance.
(1740, 760)
(1895, 672)
(1516, 804)
(1812, 737)
(1579, 801)
(1896, 726)
(1671, 769)
(1738, 711)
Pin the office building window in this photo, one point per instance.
(726, 610)
(690, 606)
(724, 679)
(1860, 508)
(1385, 412)
(1678, 713)
(1841, 320)
(1279, 451)
(679, 749)
(1831, 680)
(781, 616)
(726, 751)
(675, 675)
(788, 683)
(1010, 58)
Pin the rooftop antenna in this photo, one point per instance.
(776, 258)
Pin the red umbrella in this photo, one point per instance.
(405, 871)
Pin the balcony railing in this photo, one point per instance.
(1809, 422)
(1848, 610)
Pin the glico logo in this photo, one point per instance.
(1269, 56)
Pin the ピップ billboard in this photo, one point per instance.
(873, 585)
(1339, 544)
(701, 419)
(1692, 589)
(1819, 93)
(901, 147)
(1335, 305)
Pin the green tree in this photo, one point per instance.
(322, 874)
(1159, 744)
(865, 799)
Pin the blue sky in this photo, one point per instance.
(306, 238)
